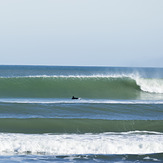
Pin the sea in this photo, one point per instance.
(118, 116)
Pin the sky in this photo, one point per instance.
(82, 32)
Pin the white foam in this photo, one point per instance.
(150, 85)
(68, 144)
(79, 101)
(78, 76)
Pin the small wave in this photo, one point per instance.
(63, 125)
(74, 144)
(80, 101)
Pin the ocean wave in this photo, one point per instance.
(94, 86)
(150, 85)
(79, 101)
(65, 125)
(74, 144)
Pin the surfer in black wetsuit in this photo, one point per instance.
(74, 98)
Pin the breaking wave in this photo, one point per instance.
(68, 144)
(119, 87)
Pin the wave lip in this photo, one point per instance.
(70, 144)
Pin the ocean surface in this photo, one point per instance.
(117, 118)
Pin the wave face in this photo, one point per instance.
(99, 87)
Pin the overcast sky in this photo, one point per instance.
(82, 32)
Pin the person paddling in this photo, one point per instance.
(74, 98)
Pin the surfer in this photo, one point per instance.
(74, 98)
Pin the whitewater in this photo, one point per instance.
(70, 144)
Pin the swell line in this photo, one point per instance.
(44, 125)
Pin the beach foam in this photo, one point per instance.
(68, 144)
